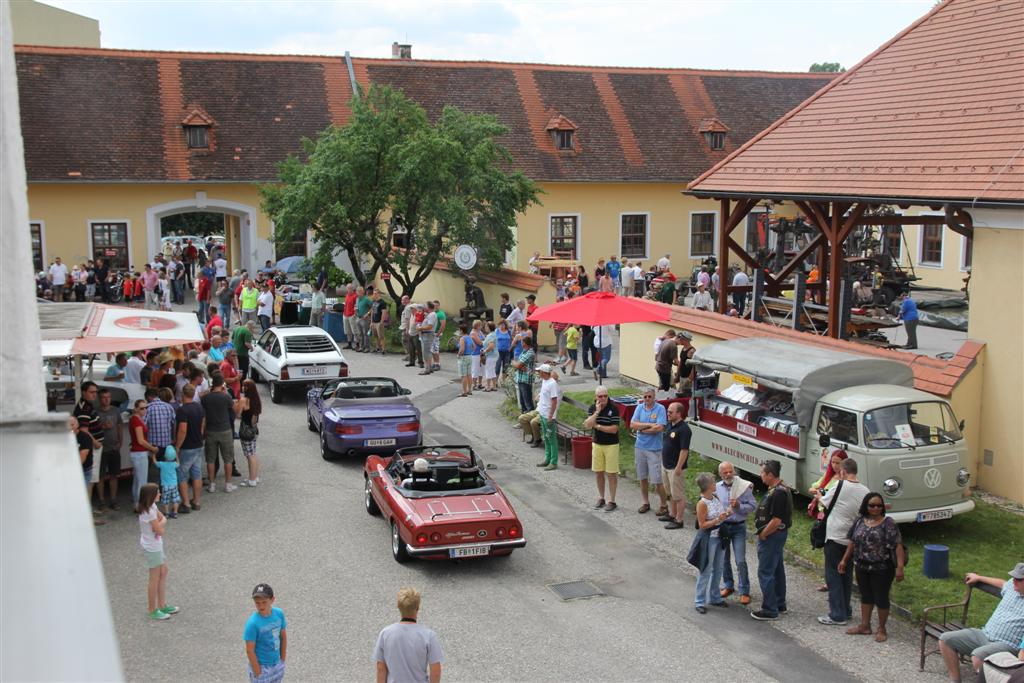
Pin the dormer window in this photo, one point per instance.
(198, 137)
(197, 126)
(714, 132)
(563, 133)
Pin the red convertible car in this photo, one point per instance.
(440, 503)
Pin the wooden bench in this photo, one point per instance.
(934, 628)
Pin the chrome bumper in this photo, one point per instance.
(439, 549)
(910, 516)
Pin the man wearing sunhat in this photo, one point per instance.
(547, 406)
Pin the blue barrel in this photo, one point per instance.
(335, 326)
(936, 561)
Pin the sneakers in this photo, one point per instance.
(829, 621)
(212, 488)
(761, 615)
(673, 525)
(172, 515)
(553, 466)
(230, 487)
(157, 615)
(666, 518)
(251, 483)
(169, 609)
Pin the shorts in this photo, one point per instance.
(465, 366)
(573, 353)
(478, 367)
(268, 673)
(435, 348)
(110, 464)
(491, 367)
(87, 473)
(648, 465)
(94, 471)
(169, 495)
(605, 458)
(248, 448)
(222, 443)
(155, 558)
(190, 464)
(675, 484)
(974, 642)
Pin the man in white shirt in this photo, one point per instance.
(739, 299)
(702, 300)
(664, 263)
(518, 313)
(221, 268)
(547, 406)
(59, 277)
(626, 276)
(133, 370)
(603, 342)
(848, 495)
(265, 312)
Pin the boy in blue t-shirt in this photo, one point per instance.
(266, 638)
(168, 465)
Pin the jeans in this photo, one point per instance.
(524, 390)
(225, 315)
(204, 312)
(606, 354)
(264, 322)
(840, 586)
(504, 358)
(739, 300)
(190, 462)
(710, 577)
(736, 535)
(771, 572)
(140, 463)
(549, 432)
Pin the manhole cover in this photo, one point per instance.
(574, 590)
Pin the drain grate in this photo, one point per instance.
(574, 590)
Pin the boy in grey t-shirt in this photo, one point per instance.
(407, 651)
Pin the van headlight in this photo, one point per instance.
(892, 486)
(962, 477)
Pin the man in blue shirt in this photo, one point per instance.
(614, 270)
(908, 314)
(649, 422)
(736, 494)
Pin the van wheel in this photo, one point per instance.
(368, 501)
(275, 392)
(399, 549)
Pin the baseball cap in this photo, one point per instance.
(1018, 571)
(544, 367)
(263, 590)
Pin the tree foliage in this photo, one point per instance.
(827, 67)
(390, 169)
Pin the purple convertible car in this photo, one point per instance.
(362, 415)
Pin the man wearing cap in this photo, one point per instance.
(702, 300)
(1003, 631)
(684, 372)
(266, 638)
(547, 406)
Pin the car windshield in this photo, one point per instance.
(362, 388)
(910, 425)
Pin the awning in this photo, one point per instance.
(81, 329)
(808, 372)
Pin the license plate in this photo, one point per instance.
(933, 515)
(379, 442)
(314, 371)
(478, 551)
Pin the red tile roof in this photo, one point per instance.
(527, 282)
(632, 124)
(930, 374)
(935, 113)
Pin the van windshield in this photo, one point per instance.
(910, 425)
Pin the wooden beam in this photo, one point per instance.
(835, 272)
(850, 222)
(799, 258)
(723, 262)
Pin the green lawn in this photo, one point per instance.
(989, 541)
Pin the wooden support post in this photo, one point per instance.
(799, 292)
(834, 273)
(846, 303)
(756, 294)
(725, 280)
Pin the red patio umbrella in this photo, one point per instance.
(601, 308)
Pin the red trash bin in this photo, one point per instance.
(582, 452)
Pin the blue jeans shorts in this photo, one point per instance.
(648, 465)
(190, 462)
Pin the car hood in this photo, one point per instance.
(371, 408)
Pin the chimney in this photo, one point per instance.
(401, 51)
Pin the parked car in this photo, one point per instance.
(439, 502)
(360, 415)
(287, 356)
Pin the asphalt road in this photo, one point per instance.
(304, 531)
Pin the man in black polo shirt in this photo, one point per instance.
(771, 524)
(603, 418)
(675, 455)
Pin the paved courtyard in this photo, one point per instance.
(305, 532)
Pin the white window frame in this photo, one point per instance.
(689, 235)
(647, 234)
(128, 236)
(963, 255)
(920, 246)
(42, 240)
(579, 232)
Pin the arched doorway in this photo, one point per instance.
(241, 244)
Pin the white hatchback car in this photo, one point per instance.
(295, 356)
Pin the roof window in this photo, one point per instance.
(714, 132)
(563, 133)
(197, 124)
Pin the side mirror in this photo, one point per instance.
(824, 440)
(406, 392)
(961, 425)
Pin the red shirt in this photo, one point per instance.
(231, 377)
(134, 422)
(215, 321)
(138, 287)
(129, 288)
(350, 304)
(203, 292)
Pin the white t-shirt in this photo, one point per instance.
(132, 371)
(846, 511)
(740, 278)
(603, 335)
(222, 267)
(549, 389)
(657, 345)
(58, 274)
(147, 537)
(627, 276)
(266, 304)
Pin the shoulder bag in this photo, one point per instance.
(818, 529)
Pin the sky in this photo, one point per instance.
(774, 35)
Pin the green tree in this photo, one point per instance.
(390, 169)
(827, 67)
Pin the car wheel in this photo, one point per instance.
(309, 421)
(325, 451)
(371, 504)
(398, 547)
(275, 392)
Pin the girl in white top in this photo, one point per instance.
(152, 524)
